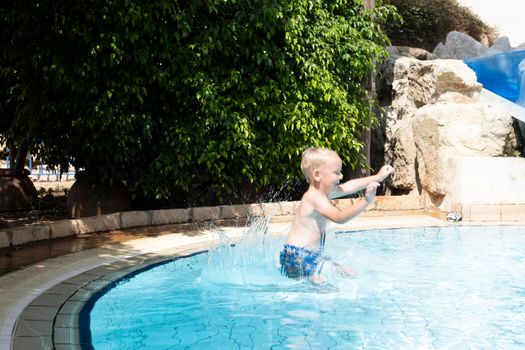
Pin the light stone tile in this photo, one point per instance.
(392, 203)
(5, 239)
(465, 213)
(288, 208)
(22, 235)
(271, 209)
(64, 228)
(66, 335)
(134, 219)
(343, 202)
(170, 216)
(30, 328)
(105, 281)
(83, 295)
(206, 214)
(105, 270)
(66, 321)
(255, 210)
(485, 212)
(41, 232)
(107, 222)
(510, 212)
(100, 272)
(52, 300)
(234, 211)
(63, 289)
(71, 308)
(80, 280)
(33, 343)
(67, 347)
(39, 313)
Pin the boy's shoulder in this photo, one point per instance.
(313, 196)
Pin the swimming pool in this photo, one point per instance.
(455, 287)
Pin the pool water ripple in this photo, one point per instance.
(433, 288)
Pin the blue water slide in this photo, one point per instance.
(503, 79)
(500, 73)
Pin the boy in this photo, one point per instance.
(301, 256)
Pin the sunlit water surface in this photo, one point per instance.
(433, 288)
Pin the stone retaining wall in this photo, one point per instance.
(123, 220)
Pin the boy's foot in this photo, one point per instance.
(317, 279)
(344, 270)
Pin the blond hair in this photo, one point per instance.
(314, 157)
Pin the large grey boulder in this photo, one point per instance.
(520, 47)
(500, 45)
(460, 46)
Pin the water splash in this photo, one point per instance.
(251, 262)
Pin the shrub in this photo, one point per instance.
(427, 22)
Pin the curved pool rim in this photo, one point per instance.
(79, 288)
(69, 328)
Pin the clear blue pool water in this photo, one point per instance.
(432, 288)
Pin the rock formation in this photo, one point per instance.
(435, 114)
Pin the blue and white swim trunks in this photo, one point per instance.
(299, 262)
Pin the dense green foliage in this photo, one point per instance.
(161, 94)
(427, 22)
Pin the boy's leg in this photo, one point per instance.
(316, 277)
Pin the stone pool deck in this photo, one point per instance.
(50, 281)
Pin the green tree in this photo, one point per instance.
(158, 94)
(21, 94)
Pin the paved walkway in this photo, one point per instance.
(41, 266)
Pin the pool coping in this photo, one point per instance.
(52, 293)
(42, 231)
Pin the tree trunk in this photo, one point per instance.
(21, 156)
(17, 156)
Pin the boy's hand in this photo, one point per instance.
(385, 171)
(370, 192)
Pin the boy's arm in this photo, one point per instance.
(331, 212)
(356, 185)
